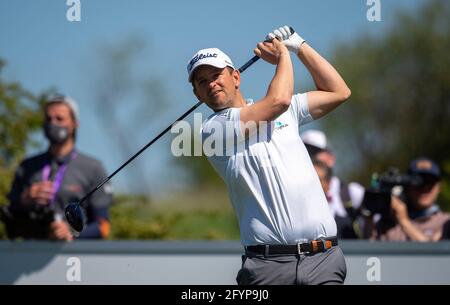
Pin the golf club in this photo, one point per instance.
(74, 213)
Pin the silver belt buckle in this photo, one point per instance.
(299, 249)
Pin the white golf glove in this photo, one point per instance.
(292, 41)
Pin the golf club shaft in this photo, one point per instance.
(249, 63)
(242, 69)
(140, 151)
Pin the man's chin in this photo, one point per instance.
(218, 105)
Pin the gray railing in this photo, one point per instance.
(203, 262)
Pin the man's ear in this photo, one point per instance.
(438, 185)
(237, 78)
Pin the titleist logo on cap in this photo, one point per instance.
(200, 56)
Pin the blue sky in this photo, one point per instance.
(43, 50)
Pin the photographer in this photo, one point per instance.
(45, 183)
(415, 215)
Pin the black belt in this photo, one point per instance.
(312, 247)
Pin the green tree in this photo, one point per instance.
(400, 82)
(20, 116)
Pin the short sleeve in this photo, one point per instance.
(300, 109)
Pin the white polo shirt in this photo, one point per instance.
(272, 184)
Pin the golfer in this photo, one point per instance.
(286, 227)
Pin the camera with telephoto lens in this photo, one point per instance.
(377, 198)
(33, 223)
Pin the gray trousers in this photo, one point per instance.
(323, 268)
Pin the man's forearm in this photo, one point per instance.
(413, 233)
(279, 93)
(325, 77)
(282, 85)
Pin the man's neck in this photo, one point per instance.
(61, 150)
(239, 101)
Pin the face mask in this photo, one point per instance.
(56, 134)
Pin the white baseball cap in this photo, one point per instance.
(212, 57)
(70, 102)
(315, 138)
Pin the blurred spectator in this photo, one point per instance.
(344, 199)
(415, 215)
(345, 225)
(46, 183)
(325, 174)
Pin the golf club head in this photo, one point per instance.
(75, 216)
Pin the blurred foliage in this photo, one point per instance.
(20, 116)
(400, 103)
(2, 231)
(205, 215)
